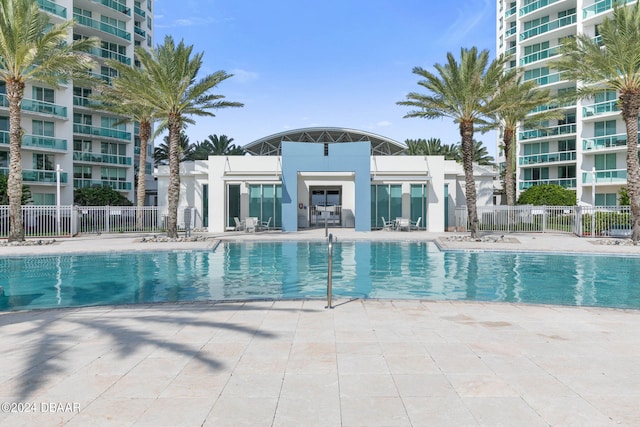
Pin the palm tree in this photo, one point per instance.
(118, 98)
(185, 149)
(614, 64)
(462, 91)
(517, 99)
(176, 95)
(479, 155)
(431, 147)
(31, 49)
(216, 146)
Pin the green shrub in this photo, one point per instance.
(99, 196)
(547, 195)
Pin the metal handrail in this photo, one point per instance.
(330, 271)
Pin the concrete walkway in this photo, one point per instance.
(292, 363)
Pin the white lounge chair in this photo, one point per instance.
(239, 224)
(264, 225)
(388, 225)
(416, 225)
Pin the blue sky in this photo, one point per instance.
(342, 63)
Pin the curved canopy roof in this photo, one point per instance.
(270, 145)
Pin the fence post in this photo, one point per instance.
(74, 221)
(578, 223)
(107, 220)
(544, 219)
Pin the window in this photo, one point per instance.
(43, 162)
(4, 124)
(43, 199)
(113, 174)
(82, 145)
(43, 94)
(82, 119)
(42, 128)
(567, 145)
(607, 95)
(536, 174)
(604, 128)
(111, 123)
(565, 172)
(113, 148)
(605, 161)
(536, 148)
(82, 172)
(4, 159)
(81, 91)
(121, 25)
(606, 199)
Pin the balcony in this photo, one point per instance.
(102, 26)
(115, 6)
(599, 7)
(36, 106)
(537, 56)
(52, 7)
(549, 26)
(140, 32)
(609, 141)
(611, 176)
(101, 132)
(37, 141)
(550, 131)
(535, 159)
(600, 108)
(111, 159)
(564, 182)
(89, 183)
(535, 6)
(38, 176)
(510, 12)
(139, 12)
(109, 54)
(511, 31)
(547, 79)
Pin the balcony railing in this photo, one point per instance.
(511, 31)
(609, 141)
(537, 56)
(535, 6)
(534, 159)
(115, 6)
(599, 7)
(139, 31)
(600, 108)
(103, 132)
(38, 176)
(549, 26)
(139, 11)
(37, 141)
(510, 12)
(610, 176)
(109, 54)
(102, 26)
(550, 131)
(547, 79)
(52, 7)
(37, 106)
(564, 182)
(112, 159)
(88, 183)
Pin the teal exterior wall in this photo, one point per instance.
(341, 157)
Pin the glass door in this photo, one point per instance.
(325, 204)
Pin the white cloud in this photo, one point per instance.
(384, 123)
(467, 19)
(185, 22)
(244, 76)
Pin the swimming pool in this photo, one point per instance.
(291, 270)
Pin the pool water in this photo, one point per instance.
(292, 270)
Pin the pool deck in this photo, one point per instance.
(292, 363)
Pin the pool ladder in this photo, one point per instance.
(330, 271)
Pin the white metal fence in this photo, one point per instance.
(612, 221)
(65, 221)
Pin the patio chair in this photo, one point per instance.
(264, 225)
(416, 225)
(388, 225)
(239, 224)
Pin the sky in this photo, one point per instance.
(337, 63)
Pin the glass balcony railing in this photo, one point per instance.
(102, 132)
(115, 6)
(102, 26)
(37, 106)
(509, 12)
(139, 12)
(139, 31)
(52, 7)
(37, 141)
(563, 182)
(599, 7)
(534, 159)
(101, 158)
(38, 176)
(600, 108)
(547, 79)
(549, 26)
(537, 56)
(535, 6)
(511, 31)
(109, 54)
(88, 183)
(104, 77)
(550, 131)
(609, 141)
(611, 176)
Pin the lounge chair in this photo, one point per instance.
(388, 225)
(416, 225)
(239, 224)
(264, 225)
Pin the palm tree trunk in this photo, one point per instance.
(509, 182)
(145, 131)
(630, 107)
(466, 131)
(174, 176)
(15, 93)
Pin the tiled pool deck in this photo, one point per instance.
(293, 363)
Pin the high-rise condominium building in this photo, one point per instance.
(90, 146)
(586, 149)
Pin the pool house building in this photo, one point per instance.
(313, 177)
